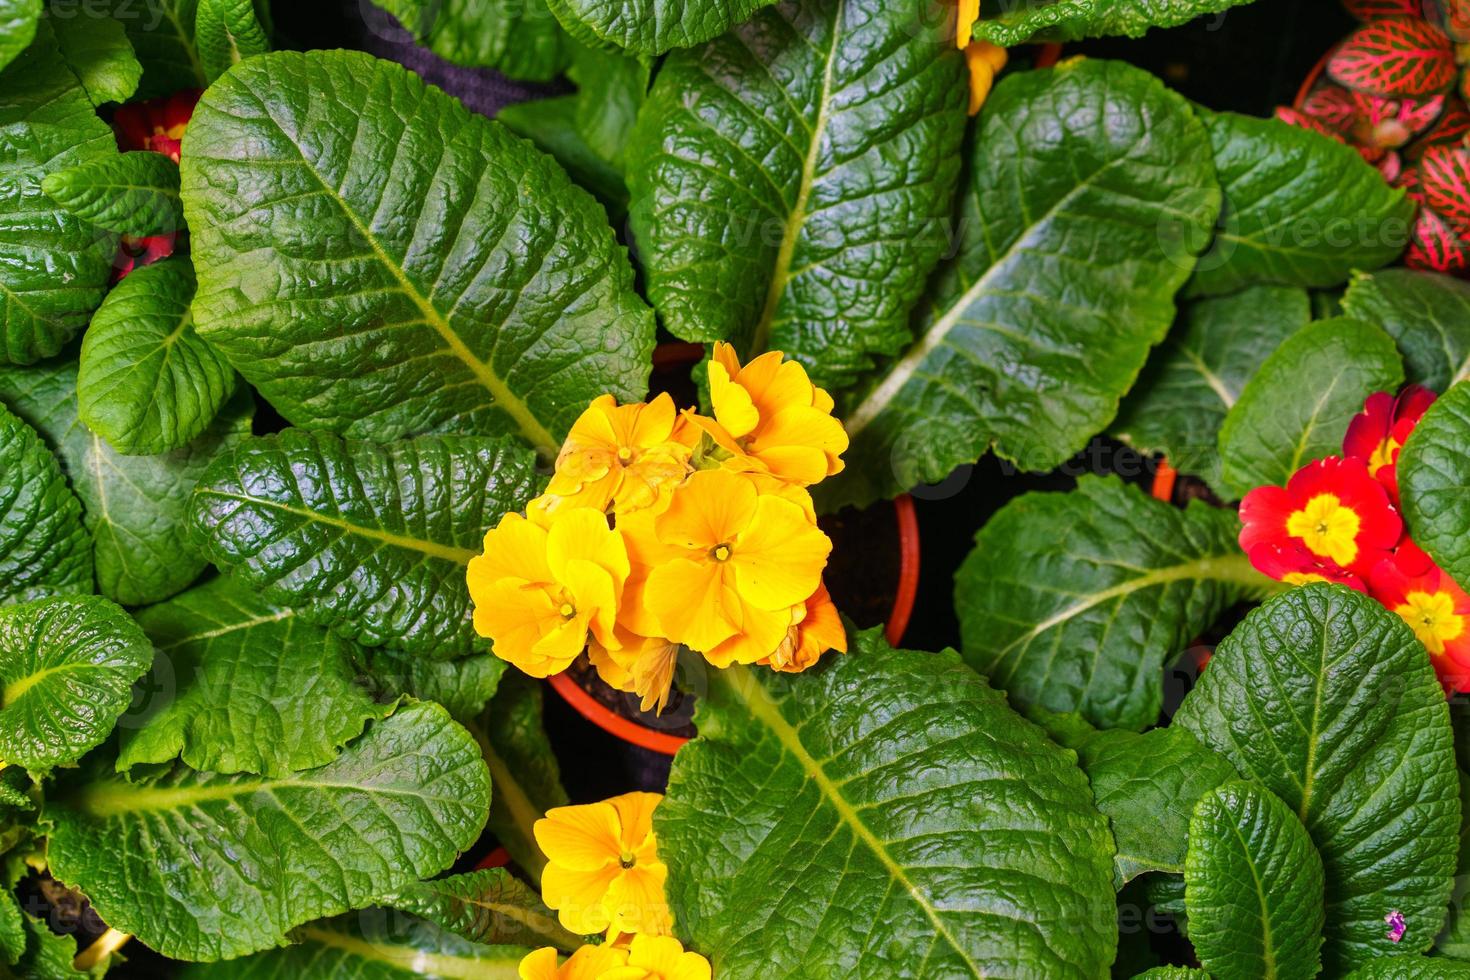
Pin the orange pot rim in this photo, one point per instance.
(1163, 485)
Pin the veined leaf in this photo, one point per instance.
(1027, 343)
(98, 52)
(525, 771)
(226, 33)
(202, 866)
(68, 664)
(518, 38)
(370, 541)
(43, 546)
(1403, 968)
(1196, 375)
(1072, 20)
(791, 181)
(12, 930)
(486, 906)
(1297, 406)
(162, 33)
(49, 956)
(246, 686)
(889, 806)
(56, 267)
(651, 27)
(1444, 175)
(17, 27)
(464, 686)
(134, 506)
(1253, 887)
(1434, 482)
(1326, 698)
(1454, 939)
(131, 193)
(1395, 57)
(434, 273)
(1172, 973)
(551, 124)
(1300, 209)
(611, 90)
(1427, 314)
(1085, 623)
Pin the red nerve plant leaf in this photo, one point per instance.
(1444, 179)
(1436, 246)
(1366, 10)
(1396, 57)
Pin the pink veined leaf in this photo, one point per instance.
(1444, 174)
(1409, 180)
(1420, 114)
(1391, 166)
(1294, 117)
(1451, 127)
(1331, 105)
(1395, 57)
(1366, 10)
(1373, 154)
(1435, 246)
(1452, 16)
(1392, 122)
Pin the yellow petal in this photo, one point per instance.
(665, 958)
(514, 548)
(690, 602)
(733, 408)
(584, 838)
(594, 594)
(558, 647)
(515, 615)
(583, 535)
(540, 965)
(969, 12)
(635, 813)
(579, 897)
(611, 666)
(636, 901)
(654, 423)
(778, 560)
(762, 631)
(801, 444)
(710, 509)
(598, 963)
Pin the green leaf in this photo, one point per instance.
(525, 771)
(134, 506)
(56, 267)
(464, 686)
(434, 273)
(98, 52)
(131, 193)
(1454, 940)
(162, 33)
(1402, 968)
(1434, 482)
(1196, 375)
(1085, 622)
(611, 91)
(651, 27)
(1027, 341)
(1072, 20)
(203, 866)
(890, 806)
(1327, 699)
(791, 181)
(246, 686)
(1297, 406)
(226, 33)
(371, 541)
(487, 906)
(1426, 313)
(49, 956)
(1172, 973)
(518, 38)
(43, 546)
(17, 27)
(1253, 885)
(12, 929)
(552, 124)
(67, 664)
(1300, 209)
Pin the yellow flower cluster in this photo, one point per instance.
(662, 530)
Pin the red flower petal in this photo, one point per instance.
(1368, 429)
(1401, 581)
(1296, 565)
(1396, 56)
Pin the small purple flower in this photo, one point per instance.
(1396, 926)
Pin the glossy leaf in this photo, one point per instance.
(98, 52)
(650, 27)
(792, 181)
(1026, 343)
(1444, 175)
(227, 32)
(464, 686)
(1434, 482)
(17, 27)
(1253, 887)
(245, 686)
(1297, 406)
(888, 806)
(1454, 939)
(1435, 245)
(552, 125)
(68, 664)
(487, 906)
(518, 38)
(43, 546)
(1427, 315)
(1400, 968)
(1395, 56)
(1196, 375)
(131, 193)
(436, 273)
(1071, 20)
(203, 866)
(1084, 623)
(525, 770)
(1326, 698)
(162, 34)
(371, 541)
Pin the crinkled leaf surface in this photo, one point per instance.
(1454, 939)
(97, 50)
(379, 262)
(884, 814)
(203, 866)
(1027, 341)
(1401, 968)
(1300, 209)
(486, 906)
(162, 34)
(1071, 20)
(130, 193)
(43, 546)
(1253, 886)
(1426, 313)
(1297, 406)
(134, 506)
(68, 664)
(369, 540)
(1326, 698)
(1196, 375)
(552, 125)
(518, 38)
(791, 180)
(243, 685)
(1434, 482)
(464, 685)
(649, 27)
(227, 32)
(1172, 973)
(17, 27)
(1085, 622)
(526, 774)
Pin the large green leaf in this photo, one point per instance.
(203, 866)
(1426, 313)
(1028, 340)
(519, 38)
(1196, 375)
(162, 33)
(525, 771)
(1300, 209)
(246, 686)
(1400, 968)
(464, 685)
(68, 664)
(1327, 699)
(1297, 406)
(883, 815)
(147, 383)
(133, 505)
(130, 193)
(486, 906)
(17, 27)
(56, 266)
(430, 272)
(1454, 939)
(43, 546)
(1084, 621)
(1071, 20)
(552, 125)
(1253, 885)
(1434, 482)
(371, 541)
(649, 27)
(791, 180)
(226, 33)
(97, 50)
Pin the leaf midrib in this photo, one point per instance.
(114, 799)
(416, 961)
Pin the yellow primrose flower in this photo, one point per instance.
(985, 61)
(538, 592)
(603, 872)
(645, 958)
(969, 12)
(773, 418)
(818, 630)
(644, 665)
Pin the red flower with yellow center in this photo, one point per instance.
(1378, 433)
(1434, 606)
(157, 124)
(1332, 509)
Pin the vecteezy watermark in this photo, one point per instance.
(144, 14)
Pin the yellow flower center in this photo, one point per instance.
(627, 860)
(625, 453)
(567, 610)
(1433, 619)
(1382, 456)
(720, 552)
(1327, 528)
